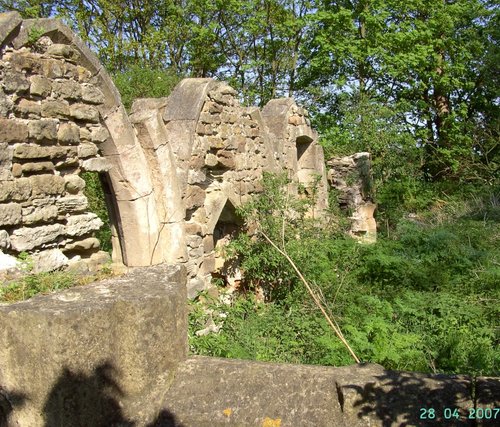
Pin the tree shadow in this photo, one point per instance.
(81, 400)
(410, 399)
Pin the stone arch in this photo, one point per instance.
(129, 176)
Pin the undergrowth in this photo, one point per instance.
(425, 298)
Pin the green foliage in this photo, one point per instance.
(97, 204)
(425, 299)
(143, 82)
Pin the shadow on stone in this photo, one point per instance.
(8, 402)
(165, 419)
(78, 399)
(81, 400)
(408, 399)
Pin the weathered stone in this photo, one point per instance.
(226, 159)
(38, 167)
(4, 240)
(195, 286)
(194, 241)
(5, 161)
(72, 204)
(49, 260)
(17, 170)
(52, 68)
(85, 113)
(96, 164)
(57, 109)
(79, 225)
(7, 262)
(195, 196)
(24, 61)
(196, 176)
(87, 150)
(6, 104)
(28, 238)
(126, 337)
(92, 94)
(46, 184)
(253, 394)
(371, 396)
(74, 184)
(211, 160)
(10, 214)
(192, 228)
(67, 89)
(15, 82)
(28, 109)
(62, 51)
(13, 131)
(33, 215)
(68, 133)
(34, 151)
(83, 245)
(18, 190)
(40, 86)
(43, 130)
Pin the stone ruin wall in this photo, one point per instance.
(50, 130)
(175, 169)
(351, 177)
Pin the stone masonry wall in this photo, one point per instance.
(50, 131)
(351, 177)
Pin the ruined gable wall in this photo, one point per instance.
(50, 130)
(62, 104)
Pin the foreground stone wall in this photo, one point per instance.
(114, 353)
(95, 355)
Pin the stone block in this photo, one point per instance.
(40, 86)
(58, 109)
(96, 164)
(13, 131)
(49, 260)
(71, 204)
(5, 161)
(28, 109)
(84, 113)
(4, 240)
(210, 392)
(35, 214)
(47, 184)
(10, 214)
(126, 335)
(7, 262)
(195, 286)
(28, 238)
(6, 104)
(87, 150)
(15, 82)
(35, 151)
(43, 130)
(37, 167)
(83, 245)
(52, 68)
(17, 191)
(195, 196)
(99, 134)
(92, 94)
(58, 50)
(68, 133)
(67, 89)
(74, 184)
(79, 225)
